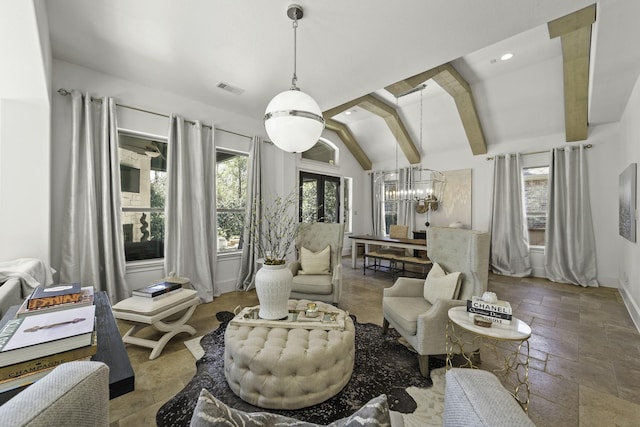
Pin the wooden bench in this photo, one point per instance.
(394, 260)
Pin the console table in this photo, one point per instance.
(414, 244)
(111, 349)
(512, 356)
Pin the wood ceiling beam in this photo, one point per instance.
(381, 109)
(390, 115)
(574, 31)
(456, 86)
(350, 142)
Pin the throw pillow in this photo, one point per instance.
(315, 262)
(210, 412)
(440, 285)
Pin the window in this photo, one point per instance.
(390, 207)
(143, 183)
(231, 199)
(347, 202)
(536, 191)
(322, 151)
(319, 198)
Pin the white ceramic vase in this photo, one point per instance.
(273, 286)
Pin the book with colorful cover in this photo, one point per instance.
(87, 299)
(40, 335)
(44, 296)
(156, 289)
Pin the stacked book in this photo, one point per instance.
(498, 313)
(158, 289)
(54, 325)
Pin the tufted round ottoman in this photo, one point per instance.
(280, 368)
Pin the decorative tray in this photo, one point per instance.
(296, 319)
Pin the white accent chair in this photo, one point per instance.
(405, 308)
(321, 287)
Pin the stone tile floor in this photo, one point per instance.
(585, 350)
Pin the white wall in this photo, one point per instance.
(603, 162)
(24, 132)
(70, 76)
(628, 263)
(280, 169)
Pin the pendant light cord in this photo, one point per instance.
(294, 79)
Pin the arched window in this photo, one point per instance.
(324, 151)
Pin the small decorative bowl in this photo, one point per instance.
(480, 321)
(312, 312)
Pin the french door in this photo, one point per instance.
(319, 198)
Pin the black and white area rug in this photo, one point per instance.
(382, 365)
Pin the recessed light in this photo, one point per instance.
(348, 112)
(507, 56)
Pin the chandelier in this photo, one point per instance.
(414, 184)
(418, 185)
(293, 120)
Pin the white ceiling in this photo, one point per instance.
(349, 48)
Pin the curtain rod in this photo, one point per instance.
(65, 92)
(535, 152)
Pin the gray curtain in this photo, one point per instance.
(570, 249)
(254, 197)
(93, 243)
(509, 232)
(377, 204)
(190, 212)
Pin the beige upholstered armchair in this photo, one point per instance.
(317, 285)
(421, 323)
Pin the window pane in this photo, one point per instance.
(230, 231)
(321, 152)
(143, 183)
(390, 208)
(331, 197)
(536, 190)
(231, 198)
(309, 200)
(143, 235)
(347, 205)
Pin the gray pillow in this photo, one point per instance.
(210, 412)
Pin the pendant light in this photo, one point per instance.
(293, 120)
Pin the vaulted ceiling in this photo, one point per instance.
(574, 65)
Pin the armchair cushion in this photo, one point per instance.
(315, 262)
(312, 284)
(441, 285)
(404, 311)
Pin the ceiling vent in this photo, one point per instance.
(229, 88)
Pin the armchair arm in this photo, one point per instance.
(337, 274)
(432, 323)
(295, 266)
(405, 287)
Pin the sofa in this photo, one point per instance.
(73, 394)
(474, 397)
(10, 294)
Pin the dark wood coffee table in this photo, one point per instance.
(111, 349)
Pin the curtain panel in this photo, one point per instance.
(254, 203)
(190, 212)
(93, 242)
(509, 232)
(570, 249)
(377, 204)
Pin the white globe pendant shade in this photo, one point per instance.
(293, 120)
